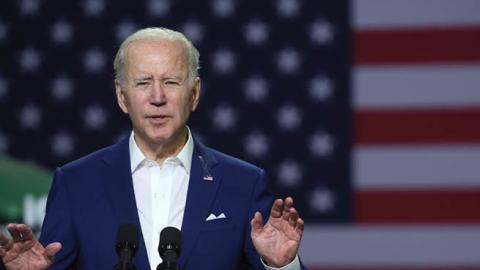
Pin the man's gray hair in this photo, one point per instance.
(156, 33)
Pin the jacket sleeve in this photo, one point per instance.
(261, 201)
(58, 225)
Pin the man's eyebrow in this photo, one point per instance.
(173, 77)
(143, 78)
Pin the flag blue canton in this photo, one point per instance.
(275, 85)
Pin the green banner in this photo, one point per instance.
(23, 187)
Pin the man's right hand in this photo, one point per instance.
(23, 251)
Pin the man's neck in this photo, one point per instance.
(161, 151)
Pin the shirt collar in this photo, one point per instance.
(137, 157)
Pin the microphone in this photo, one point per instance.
(169, 248)
(126, 246)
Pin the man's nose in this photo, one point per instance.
(158, 96)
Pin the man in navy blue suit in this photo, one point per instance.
(159, 176)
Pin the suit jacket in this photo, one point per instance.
(92, 196)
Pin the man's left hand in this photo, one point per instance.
(279, 239)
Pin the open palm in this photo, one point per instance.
(279, 239)
(24, 251)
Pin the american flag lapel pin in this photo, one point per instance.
(207, 176)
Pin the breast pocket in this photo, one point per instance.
(218, 225)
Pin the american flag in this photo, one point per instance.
(365, 111)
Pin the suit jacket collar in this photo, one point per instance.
(202, 190)
(119, 190)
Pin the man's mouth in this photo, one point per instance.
(158, 119)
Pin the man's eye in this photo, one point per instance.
(142, 83)
(172, 83)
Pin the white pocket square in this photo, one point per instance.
(213, 217)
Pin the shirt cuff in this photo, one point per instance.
(294, 265)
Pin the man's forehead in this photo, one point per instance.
(143, 44)
(134, 62)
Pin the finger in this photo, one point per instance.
(12, 229)
(293, 217)
(52, 249)
(288, 202)
(257, 223)
(25, 232)
(287, 207)
(277, 208)
(286, 212)
(5, 244)
(3, 240)
(300, 225)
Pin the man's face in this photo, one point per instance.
(157, 92)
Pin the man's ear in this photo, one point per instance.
(121, 100)
(196, 93)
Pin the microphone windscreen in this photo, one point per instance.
(170, 235)
(127, 233)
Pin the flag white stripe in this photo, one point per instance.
(416, 86)
(379, 14)
(391, 245)
(416, 166)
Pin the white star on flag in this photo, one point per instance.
(289, 117)
(93, 8)
(158, 8)
(29, 7)
(193, 30)
(29, 60)
(256, 144)
(288, 8)
(224, 118)
(94, 60)
(30, 116)
(95, 117)
(124, 29)
(61, 32)
(62, 144)
(321, 144)
(321, 88)
(288, 61)
(289, 173)
(256, 89)
(62, 88)
(322, 200)
(223, 61)
(256, 32)
(321, 32)
(223, 8)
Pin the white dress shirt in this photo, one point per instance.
(161, 195)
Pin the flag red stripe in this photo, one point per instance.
(410, 46)
(414, 206)
(417, 126)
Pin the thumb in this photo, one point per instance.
(52, 249)
(257, 223)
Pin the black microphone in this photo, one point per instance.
(169, 248)
(126, 246)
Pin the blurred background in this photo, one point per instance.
(366, 111)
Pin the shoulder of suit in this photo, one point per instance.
(231, 162)
(88, 160)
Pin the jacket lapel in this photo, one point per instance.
(202, 189)
(119, 191)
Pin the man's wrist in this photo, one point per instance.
(293, 265)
